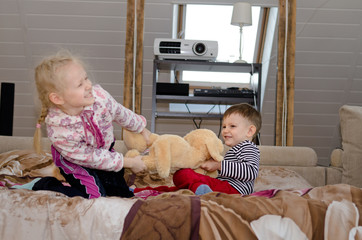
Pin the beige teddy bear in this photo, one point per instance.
(168, 153)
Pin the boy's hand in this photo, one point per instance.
(211, 165)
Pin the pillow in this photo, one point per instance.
(351, 131)
(21, 166)
(279, 178)
(268, 178)
(145, 179)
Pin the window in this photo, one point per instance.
(212, 22)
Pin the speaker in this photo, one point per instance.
(181, 89)
(7, 108)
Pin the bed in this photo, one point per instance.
(295, 210)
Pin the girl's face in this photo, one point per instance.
(77, 89)
(235, 129)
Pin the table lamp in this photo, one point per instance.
(241, 17)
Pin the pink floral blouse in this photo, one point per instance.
(85, 139)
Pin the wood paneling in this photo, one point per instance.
(8, 7)
(83, 23)
(69, 36)
(76, 8)
(328, 65)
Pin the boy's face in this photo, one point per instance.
(235, 129)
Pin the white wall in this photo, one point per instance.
(328, 58)
(30, 30)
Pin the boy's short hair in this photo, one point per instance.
(248, 112)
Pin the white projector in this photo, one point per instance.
(165, 48)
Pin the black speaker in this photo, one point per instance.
(181, 89)
(7, 108)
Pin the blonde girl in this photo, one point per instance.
(78, 117)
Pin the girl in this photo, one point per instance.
(79, 117)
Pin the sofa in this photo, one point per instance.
(346, 162)
(280, 167)
(294, 198)
(345, 166)
(348, 158)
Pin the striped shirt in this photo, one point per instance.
(241, 166)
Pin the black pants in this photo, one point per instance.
(109, 183)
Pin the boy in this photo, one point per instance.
(240, 167)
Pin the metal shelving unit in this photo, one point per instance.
(191, 65)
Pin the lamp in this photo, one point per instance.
(241, 17)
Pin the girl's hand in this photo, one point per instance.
(146, 135)
(211, 165)
(135, 164)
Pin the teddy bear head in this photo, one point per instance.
(207, 142)
(135, 141)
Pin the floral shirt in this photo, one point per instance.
(85, 139)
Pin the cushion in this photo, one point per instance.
(279, 178)
(268, 178)
(336, 158)
(288, 156)
(351, 132)
(21, 166)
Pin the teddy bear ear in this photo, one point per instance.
(134, 140)
(215, 149)
(153, 138)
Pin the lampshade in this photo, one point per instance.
(241, 14)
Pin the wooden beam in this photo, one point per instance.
(284, 114)
(280, 76)
(129, 55)
(139, 56)
(291, 70)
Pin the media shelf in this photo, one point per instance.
(196, 99)
(192, 65)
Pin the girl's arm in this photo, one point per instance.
(120, 114)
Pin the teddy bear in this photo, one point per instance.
(168, 152)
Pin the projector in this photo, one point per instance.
(185, 49)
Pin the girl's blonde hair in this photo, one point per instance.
(48, 76)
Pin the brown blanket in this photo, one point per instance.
(225, 216)
(328, 212)
(173, 216)
(21, 166)
(26, 214)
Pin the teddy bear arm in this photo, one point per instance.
(219, 158)
(150, 162)
(212, 174)
(163, 163)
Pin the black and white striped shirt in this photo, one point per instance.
(241, 166)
